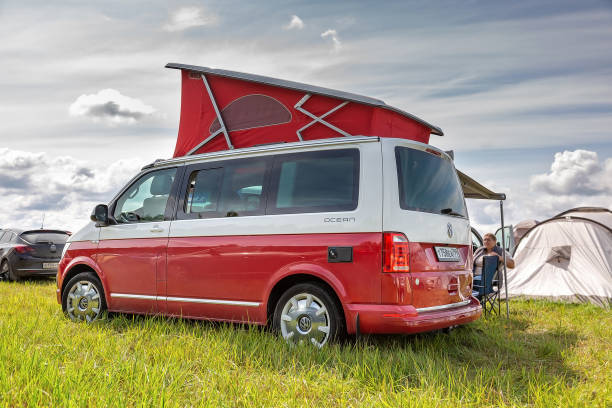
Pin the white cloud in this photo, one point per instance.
(65, 189)
(110, 105)
(189, 17)
(334, 38)
(295, 23)
(576, 179)
(575, 172)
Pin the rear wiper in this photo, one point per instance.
(449, 211)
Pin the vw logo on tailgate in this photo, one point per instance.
(449, 230)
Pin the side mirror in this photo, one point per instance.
(100, 214)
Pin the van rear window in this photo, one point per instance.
(428, 183)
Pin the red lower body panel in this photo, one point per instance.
(231, 278)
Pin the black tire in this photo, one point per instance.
(6, 272)
(87, 302)
(300, 322)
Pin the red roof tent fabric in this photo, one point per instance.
(258, 110)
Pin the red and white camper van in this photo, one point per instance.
(283, 206)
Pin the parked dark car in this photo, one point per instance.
(30, 253)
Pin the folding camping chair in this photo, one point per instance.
(486, 286)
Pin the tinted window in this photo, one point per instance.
(233, 189)
(428, 183)
(476, 241)
(146, 199)
(507, 236)
(203, 191)
(316, 182)
(36, 237)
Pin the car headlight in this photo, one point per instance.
(66, 245)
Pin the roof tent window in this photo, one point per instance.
(428, 183)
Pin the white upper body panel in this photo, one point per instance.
(378, 207)
(89, 232)
(418, 226)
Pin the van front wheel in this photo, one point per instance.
(307, 314)
(83, 298)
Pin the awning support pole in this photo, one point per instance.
(318, 119)
(214, 104)
(501, 210)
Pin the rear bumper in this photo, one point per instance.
(33, 267)
(394, 319)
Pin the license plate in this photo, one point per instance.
(448, 254)
(50, 265)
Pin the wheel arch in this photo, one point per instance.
(77, 268)
(288, 281)
(9, 260)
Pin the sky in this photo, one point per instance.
(522, 89)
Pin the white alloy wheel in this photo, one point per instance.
(83, 299)
(307, 314)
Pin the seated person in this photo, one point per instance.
(490, 248)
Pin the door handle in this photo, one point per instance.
(157, 229)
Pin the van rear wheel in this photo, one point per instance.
(307, 314)
(83, 298)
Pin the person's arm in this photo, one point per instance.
(509, 260)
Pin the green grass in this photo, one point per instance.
(547, 354)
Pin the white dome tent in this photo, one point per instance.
(568, 257)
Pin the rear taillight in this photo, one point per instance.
(23, 249)
(396, 254)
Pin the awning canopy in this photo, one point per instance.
(473, 189)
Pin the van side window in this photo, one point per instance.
(232, 190)
(146, 199)
(316, 182)
(203, 191)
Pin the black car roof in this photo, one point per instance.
(20, 231)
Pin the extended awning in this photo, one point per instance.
(473, 189)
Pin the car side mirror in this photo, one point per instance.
(100, 215)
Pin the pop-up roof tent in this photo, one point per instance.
(568, 257)
(225, 109)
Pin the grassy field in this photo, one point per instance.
(545, 355)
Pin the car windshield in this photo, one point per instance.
(52, 237)
(428, 183)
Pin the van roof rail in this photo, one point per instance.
(151, 165)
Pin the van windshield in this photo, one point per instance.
(428, 183)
